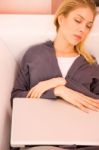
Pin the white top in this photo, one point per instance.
(65, 63)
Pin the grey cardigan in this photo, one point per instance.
(40, 63)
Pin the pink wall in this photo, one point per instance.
(55, 4)
(29, 6)
(25, 6)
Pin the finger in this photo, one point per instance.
(92, 100)
(29, 93)
(81, 107)
(96, 101)
(32, 92)
(88, 102)
(32, 89)
(91, 103)
(90, 106)
(35, 93)
(38, 94)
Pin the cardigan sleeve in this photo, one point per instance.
(93, 91)
(49, 94)
(80, 88)
(95, 84)
(22, 81)
(21, 85)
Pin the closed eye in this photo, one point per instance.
(89, 27)
(78, 21)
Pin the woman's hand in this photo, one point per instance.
(77, 99)
(43, 86)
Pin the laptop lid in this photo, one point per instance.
(52, 122)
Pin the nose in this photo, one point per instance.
(82, 28)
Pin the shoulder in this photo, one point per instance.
(94, 68)
(35, 51)
(85, 61)
(86, 66)
(90, 69)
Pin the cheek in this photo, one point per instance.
(69, 29)
(85, 34)
(68, 24)
(71, 26)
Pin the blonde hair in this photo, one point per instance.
(65, 8)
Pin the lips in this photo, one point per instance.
(78, 37)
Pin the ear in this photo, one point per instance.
(61, 19)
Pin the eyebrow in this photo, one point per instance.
(84, 18)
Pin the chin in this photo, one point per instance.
(74, 43)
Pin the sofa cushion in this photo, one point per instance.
(7, 74)
(18, 33)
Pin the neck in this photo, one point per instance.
(63, 47)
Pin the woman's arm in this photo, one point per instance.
(77, 99)
(30, 74)
(43, 86)
(21, 84)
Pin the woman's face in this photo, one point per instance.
(75, 27)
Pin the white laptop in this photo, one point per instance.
(52, 122)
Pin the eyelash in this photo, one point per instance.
(80, 22)
(77, 21)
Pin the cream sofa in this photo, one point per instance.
(17, 33)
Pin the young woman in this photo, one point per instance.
(63, 67)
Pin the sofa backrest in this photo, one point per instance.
(7, 74)
(21, 31)
(17, 33)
